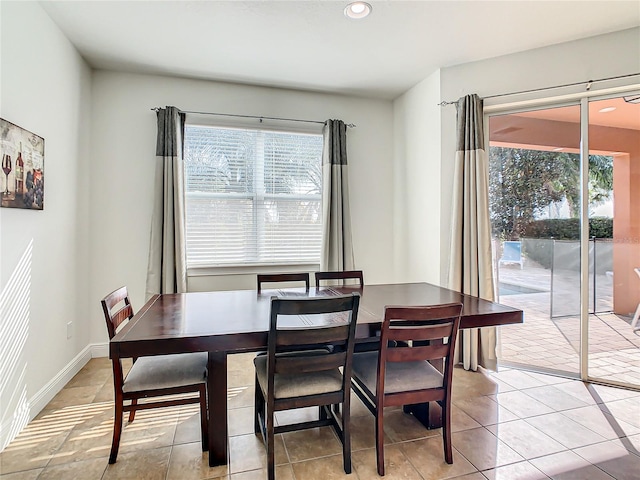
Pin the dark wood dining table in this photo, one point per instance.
(227, 322)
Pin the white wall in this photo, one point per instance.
(593, 58)
(123, 156)
(417, 182)
(45, 88)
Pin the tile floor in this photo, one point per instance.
(508, 425)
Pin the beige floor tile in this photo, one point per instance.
(363, 433)
(283, 472)
(242, 396)
(568, 466)
(564, 430)
(105, 393)
(483, 449)
(143, 465)
(485, 410)
(515, 471)
(74, 396)
(613, 458)
(627, 410)
(402, 427)
(24, 475)
(519, 379)
(461, 421)
(554, 397)
(87, 441)
(33, 448)
(188, 425)
(525, 439)
(522, 404)
(327, 468)
(602, 423)
(189, 462)
(311, 443)
(472, 476)
(427, 456)
(240, 421)
(92, 469)
(247, 452)
(92, 374)
(150, 429)
(240, 370)
(396, 464)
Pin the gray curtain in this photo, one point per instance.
(166, 272)
(337, 247)
(470, 267)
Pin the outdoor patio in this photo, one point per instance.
(552, 342)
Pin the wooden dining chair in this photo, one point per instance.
(294, 373)
(402, 374)
(355, 275)
(156, 376)
(282, 278)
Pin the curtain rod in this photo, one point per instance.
(588, 83)
(350, 125)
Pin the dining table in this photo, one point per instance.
(228, 322)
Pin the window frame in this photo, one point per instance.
(258, 124)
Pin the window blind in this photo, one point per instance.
(252, 197)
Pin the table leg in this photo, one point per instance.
(217, 407)
(430, 413)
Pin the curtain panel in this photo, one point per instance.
(337, 246)
(166, 272)
(470, 267)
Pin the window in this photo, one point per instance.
(253, 197)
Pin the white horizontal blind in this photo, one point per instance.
(252, 197)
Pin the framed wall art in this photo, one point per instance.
(22, 178)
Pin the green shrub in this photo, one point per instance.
(568, 228)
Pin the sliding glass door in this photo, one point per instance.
(564, 252)
(614, 213)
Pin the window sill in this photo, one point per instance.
(251, 269)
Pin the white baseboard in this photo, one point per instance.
(99, 350)
(13, 425)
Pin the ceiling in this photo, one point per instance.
(624, 114)
(311, 45)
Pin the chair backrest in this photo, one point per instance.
(335, 325)
(419, 333)
(346, 275)
(283, 277)
(117, 309)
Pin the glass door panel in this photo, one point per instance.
(534, 195)
(614, 216)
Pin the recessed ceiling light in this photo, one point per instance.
(357, 10)
(607, 109)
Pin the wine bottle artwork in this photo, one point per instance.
(23, 167)
(6, 168)
(19, 173)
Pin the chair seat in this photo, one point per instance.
(299, 385)
(399, 376)
(166, 371)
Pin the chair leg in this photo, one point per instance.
(117, 430)
(271, 447)
(132, 412)
(258, 408)
(204, 418)
(446, 430)
(380, 441)
(346, 437)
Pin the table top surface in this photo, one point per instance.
(238, 320)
